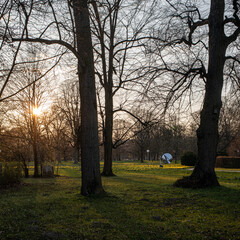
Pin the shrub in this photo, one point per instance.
(11, 174)
(189, 159)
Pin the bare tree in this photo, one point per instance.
(229, 126)
(28, 103)
(69, 106)
(67, 27)
(194, 49)
(91, 179)
(117, 29)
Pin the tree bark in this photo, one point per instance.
(107, 81)
(107, 169)
(76, 154)
(108, 87)
(91, 177)
(207, 134)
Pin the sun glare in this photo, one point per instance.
(36, 111)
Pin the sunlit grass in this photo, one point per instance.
(140, 203)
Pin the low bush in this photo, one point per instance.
(11, 174)
(189, 159)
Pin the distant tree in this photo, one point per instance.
(69, 106)
(122, 131)
(142, 140)
(27, 105)
(17, 148)
(229, 125)
(55, 135)
(178, 131)
(142, 131)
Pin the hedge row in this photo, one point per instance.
(227, 162)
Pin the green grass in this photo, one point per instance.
(140, 203)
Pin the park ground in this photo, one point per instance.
(140, 203)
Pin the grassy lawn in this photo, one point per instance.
(140, 203)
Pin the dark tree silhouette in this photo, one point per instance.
(91, 179)
(194, 49)
(207, 133)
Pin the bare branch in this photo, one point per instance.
(28, 85)
(49, 42)
(18, 47)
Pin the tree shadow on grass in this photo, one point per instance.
(218, 201)
(24, 210)
(118, 220)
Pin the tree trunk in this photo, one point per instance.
(76, 153)
(34, 144)
(207, 133)
(91, 177)
(108, 88)
(107, 169)
(25, 168)
(142, 153)
(58, 152)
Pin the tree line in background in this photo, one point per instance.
(153, 62)
(58, 133)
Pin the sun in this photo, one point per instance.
(36, 111)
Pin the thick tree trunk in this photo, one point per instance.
(91, 177)
(207, 133)
(107, 169)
